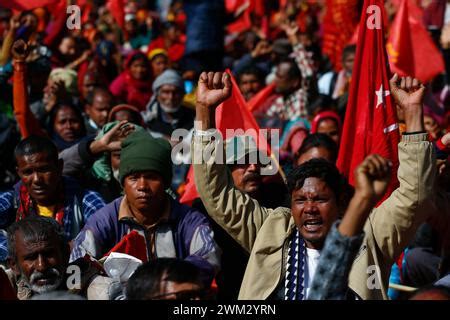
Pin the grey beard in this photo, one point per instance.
(39, 289)
(167, 109)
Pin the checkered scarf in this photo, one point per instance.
(295, 269)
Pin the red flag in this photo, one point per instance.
(258, 99)
(231, 114)
(23, 5)
(411, 49)
(340, 21)
(133, 244)
(117, 9)
(370, 124)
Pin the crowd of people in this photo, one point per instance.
(91, 188)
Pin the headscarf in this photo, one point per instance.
(329, 114)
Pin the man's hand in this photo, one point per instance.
(372, 178)
(112, 140)
(262, 48)
(291, 30)
(213, 89)
(19, 50)
(371, 181)
(56, 93)
(409, 93)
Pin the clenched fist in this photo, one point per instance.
(213, 89)
(372, 177)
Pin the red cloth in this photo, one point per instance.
(132, 244)
(117, 9)
(175, 51)
(130, 90)
(340, 21)
(258, 99)
(231, 114)
(410, 47)
(329, 114)
(23, 5)
(6, 289)
(370, 124)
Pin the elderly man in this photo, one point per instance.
(39, 263)
(38, 256)
(285, 244)
(44, 191)
(146, 222)
(165, 112)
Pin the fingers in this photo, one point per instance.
(217, 80)
(377, 166)
(226, 80)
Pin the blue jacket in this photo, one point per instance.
(186, 234)
(79, 205)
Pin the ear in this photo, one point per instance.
(13, 265)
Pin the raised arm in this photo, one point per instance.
(345, 238)
(396, 220)
(239, 214)
(28, 124)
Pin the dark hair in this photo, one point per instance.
(146, 280)
(137, 56)
(316, 140)
(325, 171)
(348, 50)
(34, 229)
(254, 70)
(294, 71)
(91, 95)
(54, 112)
(36, 144)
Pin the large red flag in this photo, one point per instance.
(370, 119)
(340, 21)
(231, 114)
(411, 49)
(22, 5)
(117, 9)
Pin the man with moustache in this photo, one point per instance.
(38, 256)
(285, 243)
(146, 222)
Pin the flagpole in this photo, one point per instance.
(280, 169)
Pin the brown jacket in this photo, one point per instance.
(264, 232)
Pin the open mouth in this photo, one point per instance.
(313, 225)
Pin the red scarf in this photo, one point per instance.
(27, 206)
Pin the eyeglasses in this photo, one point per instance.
(182, 295)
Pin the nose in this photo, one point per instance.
(310, 207)
(36, 177)
(253, 167)
(41, 263)
(142, 185)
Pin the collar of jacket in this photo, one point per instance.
(125, 213)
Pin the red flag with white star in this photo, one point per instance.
(370, 124)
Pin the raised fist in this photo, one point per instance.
(407, 91)
(213, 89)
(372, 177)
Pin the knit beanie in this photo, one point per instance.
(169, 76)
(141, 152)
(69, 78)
(101, 169)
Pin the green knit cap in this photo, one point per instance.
(141, 152)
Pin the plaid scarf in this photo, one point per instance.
(27, 206)
(291, 107)
(295, 270)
